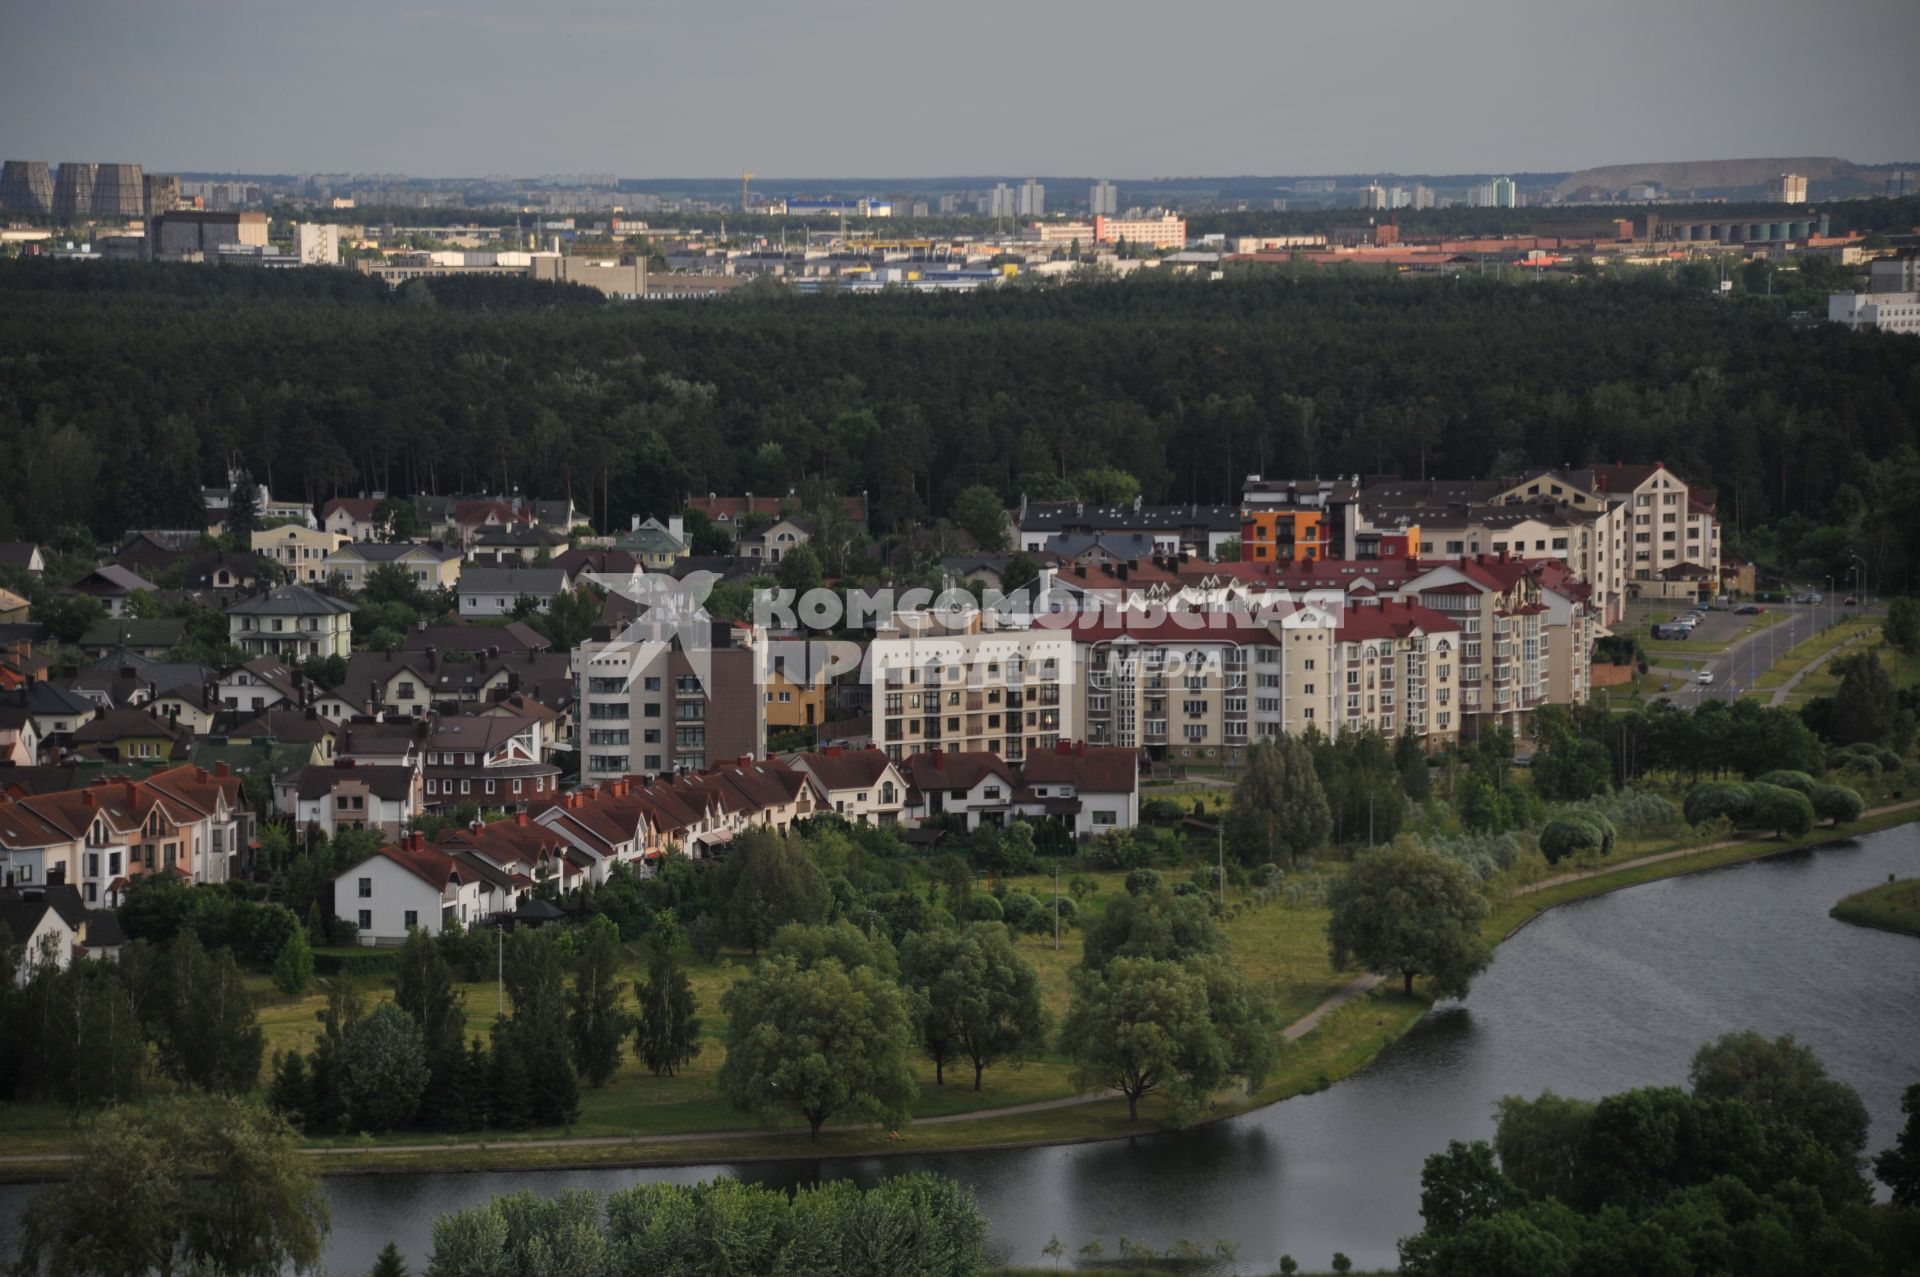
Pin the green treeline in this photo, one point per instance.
(123, 388)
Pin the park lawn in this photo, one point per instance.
(1903, 670)
(1891, 906)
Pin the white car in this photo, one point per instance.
(1705, 678)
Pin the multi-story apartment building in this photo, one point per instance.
(1200, 692)
(978, 688)
(1169, 231)
(1197, 529)
(1503, 654)
(656, 697)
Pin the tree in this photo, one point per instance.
(1782, 1081)
(1106, 485)
(800, 570)
(818, 1041)
(212, 1184)
(423, 988)
(382, 1069)
(1901, 629)
(293, 969)
(243, 505)
(1153, 923)
(666, 1032)
(1410, 760)
(1020, 571)
(1787, 812)
(1899, 1166)
(1863, 707)
(777, 883)
(981, 999)
(595, 1023)
(64, 618)
(1144, 1027)
(534, 1040)
(204, 1021)
(1406, 909)
(1837, 804)
(389, 1263)
(979, 511)
(1278, 803)
(398, 519)
(1538, 1141)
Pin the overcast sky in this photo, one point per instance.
(1122, 88)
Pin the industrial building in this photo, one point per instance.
(188, 235)
(26, 186)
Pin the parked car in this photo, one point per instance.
(1851, 601)
(1750, 609)
(1705, 679)
(1720, 605)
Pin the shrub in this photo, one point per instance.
(981, 907)
(1022, 913)
(1720, 798)
(705, 934)
(1144, 882)
(1576, 834)
(1265, 874)
(1797, 781)
(1837, 803)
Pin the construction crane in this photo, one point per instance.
(745, 177)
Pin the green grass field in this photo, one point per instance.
(1892, 906)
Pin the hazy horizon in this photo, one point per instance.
(698, 91)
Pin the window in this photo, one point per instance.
(1106, 818)
(366, 920)
(366, 888)
(412, 919)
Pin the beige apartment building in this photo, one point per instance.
(1198, 688)
(1503, 656)
(971, 687)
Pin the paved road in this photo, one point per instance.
(1739, 665)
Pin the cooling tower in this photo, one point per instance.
(117, 191)
(73, 190)
(26, 187)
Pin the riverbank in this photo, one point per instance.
(1892, 906)
(1331, 1038)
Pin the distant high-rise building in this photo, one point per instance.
(1422, 197)
(1903, 182)
(997, 202)
(1788, 188)
(26, 186)
(162, 193)
(73, 190)
(1399, 197)
(1373, 196)
(1033, 199)
(316, 244)
(1499, 193)
(949, 204)
(1103, 199)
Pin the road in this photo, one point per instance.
(1737, 667)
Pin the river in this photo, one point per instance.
(1594, 997)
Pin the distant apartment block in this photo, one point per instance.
(1103, 199)
(316, 244)
(1887, 312)
(1788, 188)
(1169, 231)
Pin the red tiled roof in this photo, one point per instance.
(842, 769)
(1388, 619)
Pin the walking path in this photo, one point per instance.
(1780, 692)
(1354, 989)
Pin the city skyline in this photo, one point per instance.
(441, 91)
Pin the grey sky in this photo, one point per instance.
(1123, 88)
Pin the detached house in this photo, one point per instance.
(863, 785)
(346, 795)
(407, 886)
(496, 591)
(292, 622)
(430, 565)
(301, 552)
(351, 517)
(492, 761)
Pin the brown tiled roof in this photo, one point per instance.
(842, 769)
(1088, 768)
(938, 769)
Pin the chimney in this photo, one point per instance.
(745, 761)
(520, 819)
(86, 798)
(222, 771)
(834, 751)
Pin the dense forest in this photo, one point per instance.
(125, 387)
